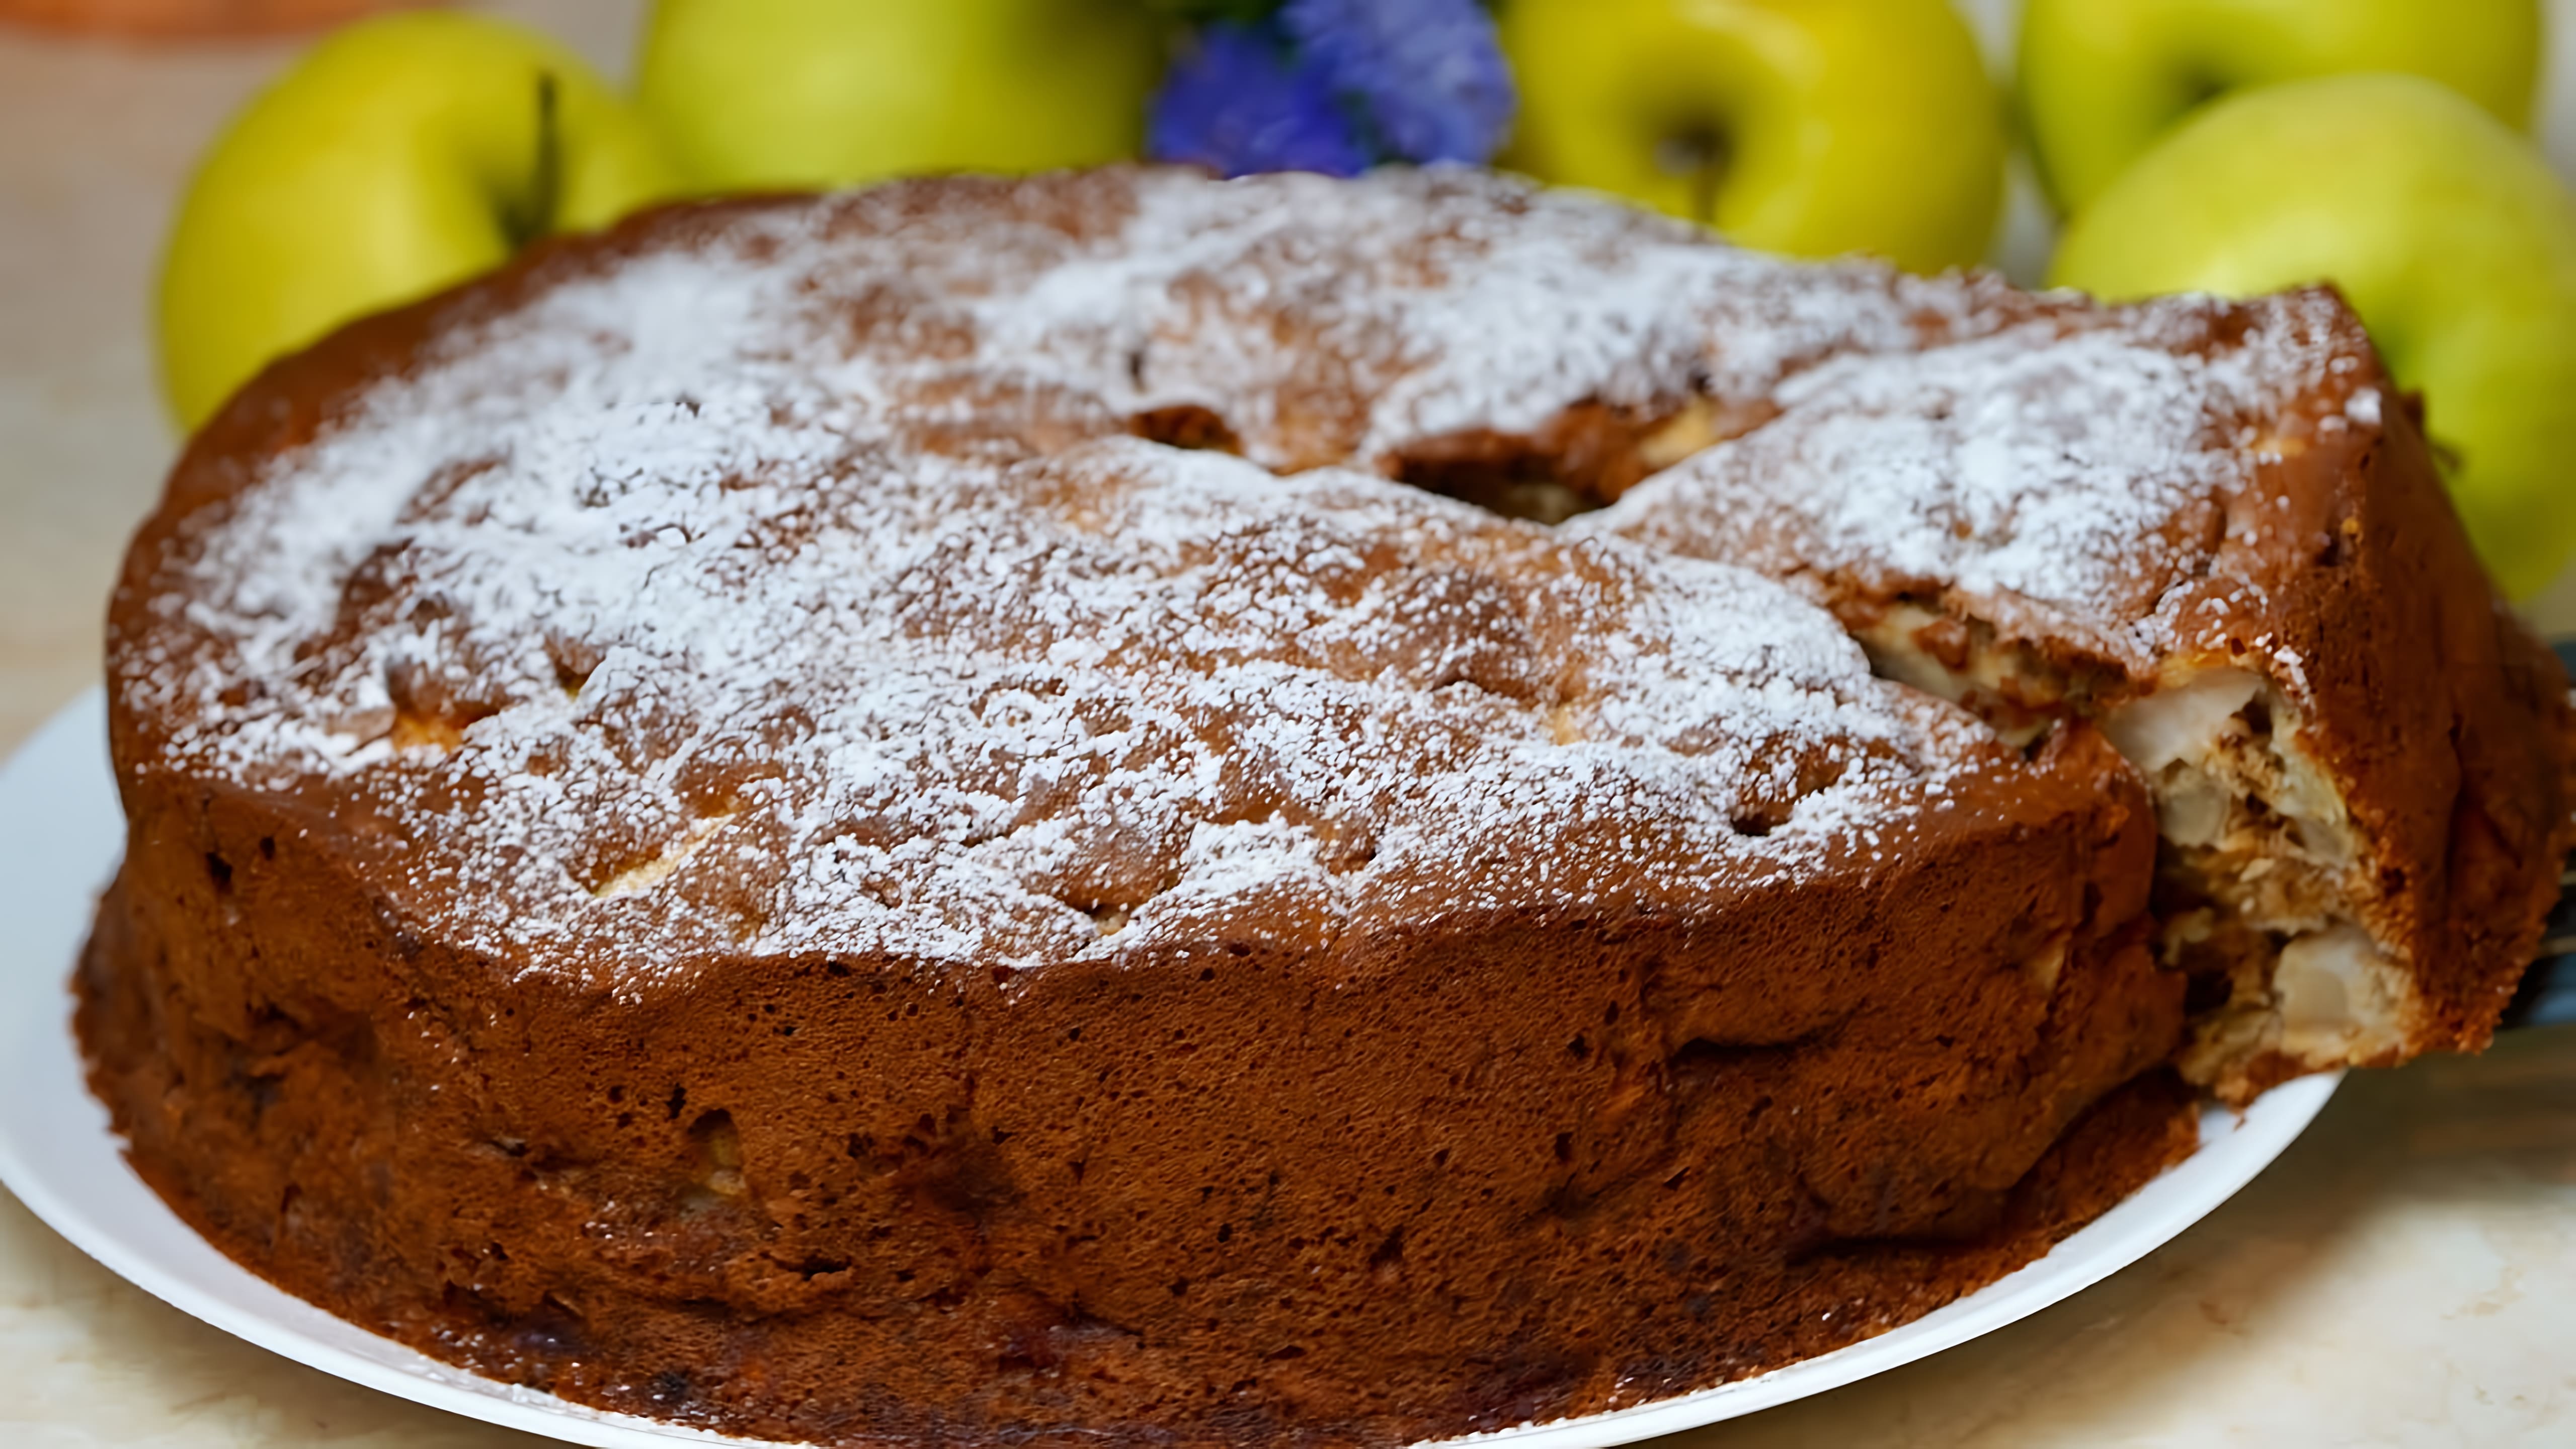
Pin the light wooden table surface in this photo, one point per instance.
(2406, 1275)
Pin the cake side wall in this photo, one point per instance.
(1467, 1174)
(2445, 722)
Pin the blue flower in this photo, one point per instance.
(1240, 98)
(1428, 74)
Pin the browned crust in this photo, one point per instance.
(2444, 719)
(1438, 1179)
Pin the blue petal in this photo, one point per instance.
(1239, 99)
(1429, 74)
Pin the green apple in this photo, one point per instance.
(1814, 127)
(757, 94)
(2446, 230)
(2100, 80)
(400, 156)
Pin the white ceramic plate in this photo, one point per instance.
(60, 830)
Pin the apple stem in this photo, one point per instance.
(1701, 154)
(539, 218)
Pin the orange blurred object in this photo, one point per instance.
(180, 19)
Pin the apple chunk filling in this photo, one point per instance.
(2255, 882)
(2255, 891)
(2009, 686)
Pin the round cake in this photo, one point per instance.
(1130, 807)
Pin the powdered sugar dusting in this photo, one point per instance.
(2054, 474)
(2070, 476)
(791, 585)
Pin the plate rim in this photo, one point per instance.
(69, 1170)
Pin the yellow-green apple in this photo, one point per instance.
(811, 93)
(1814, 127)
(2100, 80)
(399, 156)
(2446, 230)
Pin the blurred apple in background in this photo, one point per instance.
(812, 93)
(2101, 80)
(1813, 127)
(400, 156)
(2449, 233)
